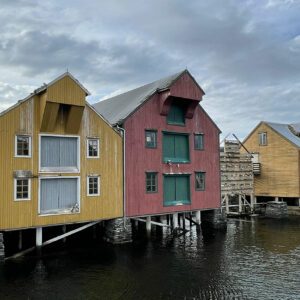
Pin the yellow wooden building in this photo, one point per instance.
(276, 160)
(61, 162)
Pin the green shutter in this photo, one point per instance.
(168, 147)
(176, 190)
(182, 148)
(176, 148)
(176, 115)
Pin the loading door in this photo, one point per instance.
(59, 195)
(176, 190)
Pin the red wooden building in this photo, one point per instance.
(171, 146)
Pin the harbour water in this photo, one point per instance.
(254, 259)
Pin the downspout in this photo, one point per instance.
(124, 189)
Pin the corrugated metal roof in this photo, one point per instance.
(284, 130)
(118, 108)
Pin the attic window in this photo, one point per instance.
(176, 115)
(262, 138)
(22, 146)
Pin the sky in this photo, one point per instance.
(244, 54)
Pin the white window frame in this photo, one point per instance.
(29, 146)
(60, 169)
(88, 188)
(15, 189)
(87, 147)
(262, 136)
(64, 212)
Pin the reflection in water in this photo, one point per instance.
(254, 259)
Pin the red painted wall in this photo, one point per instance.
(140, 159)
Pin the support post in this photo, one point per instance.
(20, 242)
(183, 221)
(148, 225)
(191, 219)
(252, 202)
(178, 219)
(2, 254)
(198, 217)
(64, 230)
(240, 204)
(175, 220)
(39, 239)
(299, 202)
(276, 199)
(227, 203)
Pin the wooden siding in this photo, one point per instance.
(26, 119)
(66, 91)
(140, 159)
(279, 164)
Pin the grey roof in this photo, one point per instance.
(284, 130)
(118, 108)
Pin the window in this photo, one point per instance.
(59, 153)
(199, 141)
(262, 138)
(176, 147)
(176, 115)
(22, 189)
(200, 181)
(151, 182)
(151, 138)
(93, 188)
(22, 146)
(92, 148)
(59, 195)
(176, 190)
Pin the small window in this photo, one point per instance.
(151, 138)
(262, 138)
(200, 181)
(22, 146)
(92, 148)
(151, 182)
(176, 114)
(199, 141)
(93, 188)
(22, 189)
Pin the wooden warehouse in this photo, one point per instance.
(171, 145)
(61, 162)
(276, 151)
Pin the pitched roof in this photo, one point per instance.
(285, 131)
(118, 108)
(43, 88)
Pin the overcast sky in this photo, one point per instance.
(244, 54)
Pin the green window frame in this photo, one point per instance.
(198, 141)
(176, 147)
(176, 114)
(200, 180)
(177, 189)
(151, 182)
(150, 138)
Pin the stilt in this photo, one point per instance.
(175, 220)
(252, 202)
(1, 246)
(191, 219)
(276, 199)
(240, 204)
(227, 203)
(39, 239)
(198, 217)
(168, 219)
(178, 219)
(20, 242)
(64, 229)
(299, 202)
(183, 221)
(148, 225)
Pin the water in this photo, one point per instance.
(254, 259)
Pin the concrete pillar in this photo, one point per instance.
(148, 224)
(20, 241)
(240, 204)
(227, 203)
(39, 237)
(299, 202)
(276, 199)
(175, 220)
(198, 217)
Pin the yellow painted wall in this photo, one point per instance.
(26, 119)
(279, 164)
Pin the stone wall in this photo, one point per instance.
(276, 209)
